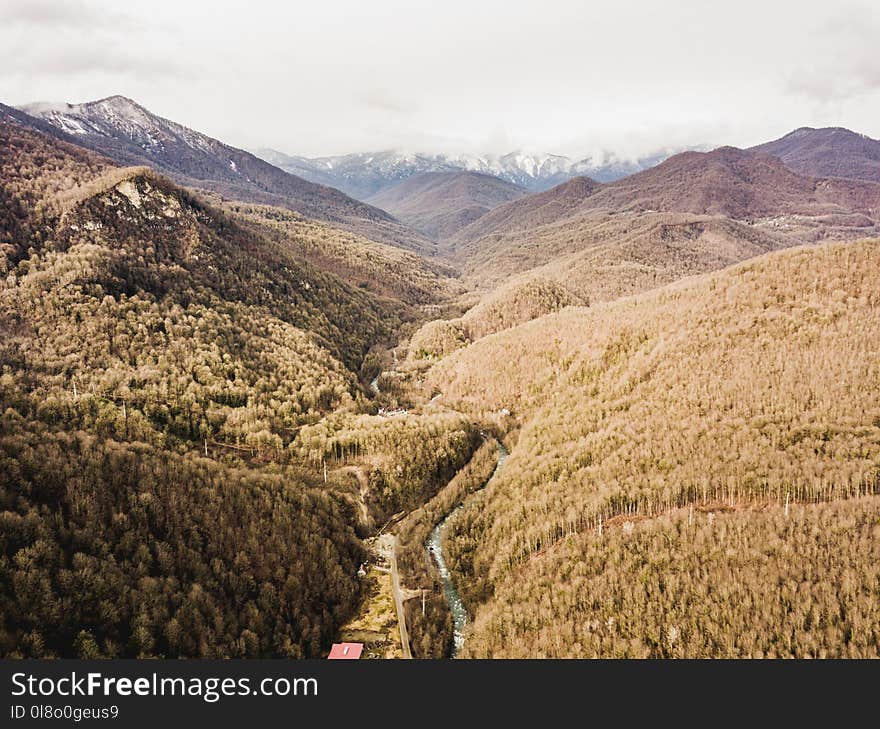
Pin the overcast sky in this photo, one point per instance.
(336, 76)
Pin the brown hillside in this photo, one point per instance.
(708, 584)
(384, 270)
(503, 308)
(768, 371)
(693, 213)
(439, 204)
(737, 183)
(830, 152)
(530, 212)
(602, 256)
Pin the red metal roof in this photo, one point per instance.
(346, 651)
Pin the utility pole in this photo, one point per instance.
(423, 602)
(325, 471)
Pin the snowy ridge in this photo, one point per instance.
(131, 135)
(364, 174)
(118, 116)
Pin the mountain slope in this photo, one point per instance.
(736, 183)
(601, 256)
(768, 370)
(79, 198)
(692, 213)
(703, 583)
(363, 175)
(505, 307)
(441, 203)
(530, 212)
(158, 355)
(131, 135)
(829, 152)
(727, 181)
(384, 270)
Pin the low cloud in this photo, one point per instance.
(51, 14)
(382, 100)
(82, 61)
(838, 81)
(77, 40)
(320, 78)
(844, 63)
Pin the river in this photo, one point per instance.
(435, 547)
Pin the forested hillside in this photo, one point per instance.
(35, 177)
(507, 306)
(439, 204)
(603, 256)
(159, 357)
(129, 134)
(384, 270)
(533, 211)
(768, 371)
(752, 583)
(120, 549)
(828, 152)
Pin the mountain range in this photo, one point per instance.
(130, 134)
(363, 175)
(694, 212)
(231, 395)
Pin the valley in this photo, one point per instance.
(245, 414)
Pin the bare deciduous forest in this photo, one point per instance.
(732, 389)
(720, 584)
(159, 359)
(211, 410)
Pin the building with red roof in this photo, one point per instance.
(346, 651)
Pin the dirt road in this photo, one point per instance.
(386, 545)
(363, 486)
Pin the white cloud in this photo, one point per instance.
(564, 76)
(843, 64)
(43, 14)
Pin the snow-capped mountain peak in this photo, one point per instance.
(365, 174)
(117, 116)
(130, 134)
